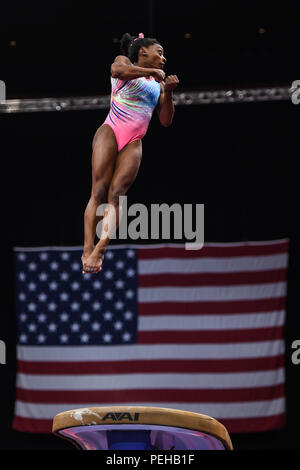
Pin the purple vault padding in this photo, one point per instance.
(140, 436)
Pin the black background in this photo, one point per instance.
(238, 159)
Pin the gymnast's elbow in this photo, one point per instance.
(166, 123)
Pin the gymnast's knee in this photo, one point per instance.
(99, 192)
(115, 193)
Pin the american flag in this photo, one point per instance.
(160, 325)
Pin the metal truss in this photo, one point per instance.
(180, 99)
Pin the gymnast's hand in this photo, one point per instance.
(171, 83)
(158, 74)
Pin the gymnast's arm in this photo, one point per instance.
(165, 107)
(123, 69)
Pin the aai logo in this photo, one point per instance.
(121, 416)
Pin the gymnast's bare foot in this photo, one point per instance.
(93, 263)
(87, 251)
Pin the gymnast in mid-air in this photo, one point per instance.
(139, 86)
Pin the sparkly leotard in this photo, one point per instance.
(131, 108)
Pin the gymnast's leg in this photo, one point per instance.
(104, 156)
(127, 166)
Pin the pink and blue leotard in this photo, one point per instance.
(131, 107)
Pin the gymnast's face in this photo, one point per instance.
(153, 56)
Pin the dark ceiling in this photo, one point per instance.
(50, 48)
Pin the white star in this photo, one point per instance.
(64, 296)
(85, 316)
(64, 338)
(119, 305)
(120, 284)
(84, 338)
(65, 256)
(21, 256)
(130, 272)
(22, 276)
(97, 285)
(23, 338)
(42, 317)
(23, 317)
(53, 285)
(120, 264)
(128, 315)
(86, 296)
(108, 316)
(129, 294)
(43, 256)
(52, 327)
(130, 253)
(43, 277)
(75, 285)
(108, 274)
(109, 254)
(32, 327)
(96, 305)
(96, 326)
(64, 316)
(86, 277)
(22, 296)
(75, 327)
(106, 338)
(31, 286)
(42, 297)
(64, 276)
(108, 294)
(75, 266)
(52, 306)
(54, 265)
(75, 306)
(31, 307)
(126, 336)
(41, 338)
(118, 325)
(32, 266)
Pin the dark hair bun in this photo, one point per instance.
(124, 43)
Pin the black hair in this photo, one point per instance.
(130, 45)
